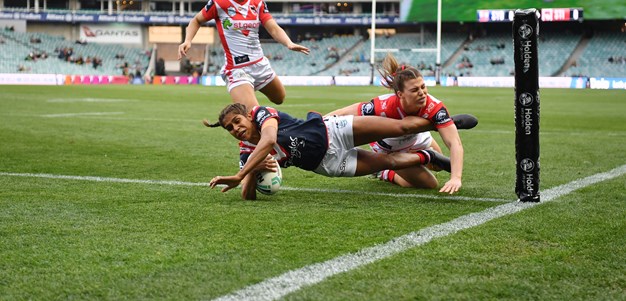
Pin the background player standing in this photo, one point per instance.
(246, 69)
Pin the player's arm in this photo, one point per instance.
(269, 134)
(190, 33)
(450, 137)
(281, 36)
(248, 186)
(249, 182)
(352, 109)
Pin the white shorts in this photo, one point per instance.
(341, 157)
(422, 141)
(258, 75)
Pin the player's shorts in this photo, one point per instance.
(421, 141)
(341, 157)
(258, 75)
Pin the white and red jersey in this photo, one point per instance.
(238, 26)
(388, 105)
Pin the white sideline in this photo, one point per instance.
(180, 183)
(279, 286)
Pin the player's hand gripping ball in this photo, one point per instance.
(269, 182)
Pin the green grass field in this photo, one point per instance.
(85, 213)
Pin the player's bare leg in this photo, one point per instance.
(415, 177)
(244, 94)
(368, 129)
(418, 176)
(369, 162)
(275, 91)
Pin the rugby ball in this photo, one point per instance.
(269, 182)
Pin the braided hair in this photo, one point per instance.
(236, 108)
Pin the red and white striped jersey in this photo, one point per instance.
(238, 27)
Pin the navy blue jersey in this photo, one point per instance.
(300, 143)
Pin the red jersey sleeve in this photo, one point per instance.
(264, 14)
(436, 112)
(262, 114)
(209, 11)
(386, 105)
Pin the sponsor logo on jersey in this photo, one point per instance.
(241, 25)
(295, 145)
(442, 116)
(260, 115)
(231, 11)
(367, 109)
(253, 10)
(241, 59)
(430, 107)
(226, 24)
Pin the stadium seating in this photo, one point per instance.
(19, 47)
(425, 61)
(477, 57)
(490, 54)
(604, 56)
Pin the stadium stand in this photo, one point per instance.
(605, 56)
(358, 62)
(466, 50)
(48, 54)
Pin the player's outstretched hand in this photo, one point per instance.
(299, 48)
(269, 164)
(230, 182)
(451, 186)
(182, 49)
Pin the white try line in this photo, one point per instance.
(282, 285)
(180, 183)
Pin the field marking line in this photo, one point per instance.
(81, 114)
(199, 120)
(291, 281)
(181, 183)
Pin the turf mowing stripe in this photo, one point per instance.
(179, 183)
(82, 114)
(88, 99)
(401, 195)
(280, 286)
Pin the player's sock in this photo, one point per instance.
(387, 175)
(435, 158)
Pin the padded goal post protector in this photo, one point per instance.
(525, 32)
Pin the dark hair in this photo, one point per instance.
(236, 108)
(393, 75)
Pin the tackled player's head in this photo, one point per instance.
(236, 108)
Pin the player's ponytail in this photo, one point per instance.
(210, 125)
(388, 71)
(236, 108)
(393, 75)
